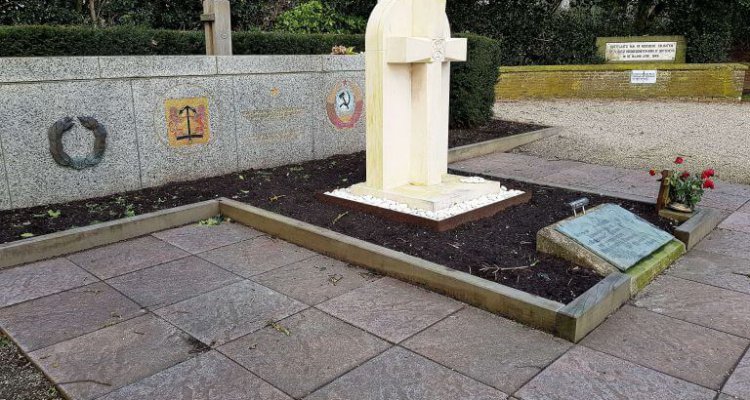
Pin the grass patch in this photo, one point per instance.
(746, 97)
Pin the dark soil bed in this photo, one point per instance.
(501, 248)
(19, 379)
(497, 128)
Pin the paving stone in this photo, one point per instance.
(315, 279)
(730, 243)
(41, 279)
(587, 374)
(391, 309)
(172, 282)
(210, 376)
(400, 374)
(231, 312)
(722, 201)
(196, 238)
(257, 256)
(125, 257)
(745, 209)
(738, 384)
(724, 396)
(48, 320)
(467, 342)
(89, 366)
(709, 306)
(584, 176)
(635, 183)
(318, 349)
(738, 221)
(714, 269)
(680, 349)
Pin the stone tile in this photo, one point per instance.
(725, 242)
(35, 69)
(738, 384)
(738, 221)
(315, 279)
(228, 313)
(745, 209)
(172, 282)
(586, 176)
(400, 374)
(709, 306)
(97, 363)
(274, 118)
(150, 66)
(722, 201)
(34, 177)
(265, 64)
(40, 279)
(636, 183)
(467, 342)
(197, 238)
(391, 309)
(331, 139)
(680, 349)
(587, 374)
(714, 269)
(256, 256)
(318, 349)
(160, 162)
(531, 168)
(723, 396)
(210, 376)
(344, 63)
(125, 257)
(48, 320)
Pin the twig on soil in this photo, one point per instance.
(342, 215)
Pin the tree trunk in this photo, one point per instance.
(92, 13)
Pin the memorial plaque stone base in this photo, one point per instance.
(551, 240)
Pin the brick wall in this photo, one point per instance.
(724, 82)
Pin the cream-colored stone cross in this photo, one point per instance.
(408, 54)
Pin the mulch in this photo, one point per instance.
(19, 378)
(501, 248)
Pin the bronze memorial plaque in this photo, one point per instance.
(616, 235)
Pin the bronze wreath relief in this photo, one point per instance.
(58, 129)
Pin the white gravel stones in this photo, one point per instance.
(453, 210)
(641, 134)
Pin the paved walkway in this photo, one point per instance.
(641, 134)
(186, 314)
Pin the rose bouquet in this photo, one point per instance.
(685, 190)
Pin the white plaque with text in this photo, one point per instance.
(643, 76)
(642, 51)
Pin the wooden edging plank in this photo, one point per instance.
(703, 222)
(499, 145)
(584, 314)
(78, 239)
(521, 306)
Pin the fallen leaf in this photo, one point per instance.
(279, 328)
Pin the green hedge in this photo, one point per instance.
(472, 89)
(473, 83)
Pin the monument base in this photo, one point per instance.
(455, 202)
(453, 190)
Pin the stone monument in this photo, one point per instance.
(409, 51)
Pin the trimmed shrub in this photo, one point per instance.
(472, 84)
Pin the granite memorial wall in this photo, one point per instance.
(165, 119)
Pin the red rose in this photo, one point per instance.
(652, 172)
(679, 160)
(685, 175)
(709, 173)
(708, 184)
